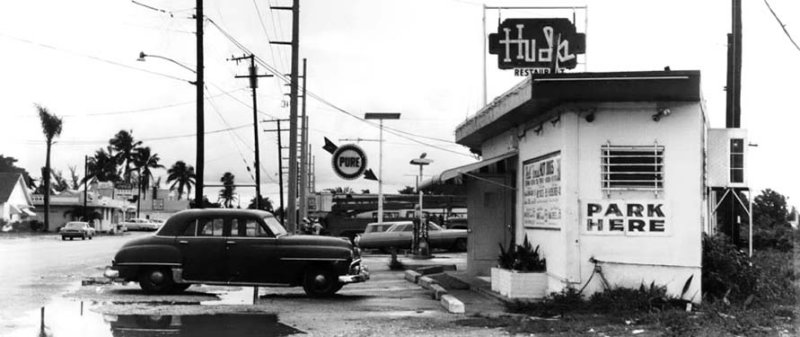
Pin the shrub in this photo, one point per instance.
(728, 273)
(521, 257)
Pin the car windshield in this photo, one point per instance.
(275, 226)
(74, 225)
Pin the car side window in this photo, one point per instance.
(248, 228)
(404, 228)
(191, 229)
(210, 227)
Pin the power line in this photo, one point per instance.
(783, 26)
(42, 45)
(402, 134)
(269, 41)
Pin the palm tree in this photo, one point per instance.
(51, 127)
(145, 161)
(102, 166)
(181, 175)
(226, 194)
(266, 204)
(60, 184)
(125, 147)
(74, 179)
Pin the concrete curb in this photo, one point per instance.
(452, 304)
(449, 302)
(438, 292)
(412, 276)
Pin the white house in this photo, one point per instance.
(15, 199)
(604, 171)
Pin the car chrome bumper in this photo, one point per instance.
(358, 273)
(111, 273)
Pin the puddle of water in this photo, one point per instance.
(72, 318)
(245, 295)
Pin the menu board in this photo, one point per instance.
(541, 192)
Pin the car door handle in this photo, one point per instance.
(183, 242)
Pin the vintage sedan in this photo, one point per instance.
(76, 229)
(139, 225)
(235, 247)
(400, 233)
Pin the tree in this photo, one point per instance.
(102, 166)
(266, 204)
(407, 190)
(182, 176)
(75, 180)
(7, 165)
(51, 127)
(145, 161)
(59, 183)
(340, 190)
(771, 228)
(227, 194)
(126, 148)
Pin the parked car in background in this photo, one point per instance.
(76, 229)
(139, 225)
(400, 233)
(456, 223)
(235, 247)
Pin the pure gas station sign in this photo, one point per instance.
(349, 161)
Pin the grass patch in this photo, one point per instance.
(765, 307)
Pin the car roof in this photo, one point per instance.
(386, 223)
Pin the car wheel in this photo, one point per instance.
(460, 245)
(83, 237)
(320, 282)
(63, 238)
(156, 281)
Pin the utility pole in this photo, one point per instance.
(280, 164)
(253, 77)
(85, 184)
(304, 150)
(199, 165)
(295, 43)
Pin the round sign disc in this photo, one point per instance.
(349, 161)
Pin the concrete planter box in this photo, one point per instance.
(513, 284)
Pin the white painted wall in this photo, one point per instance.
(666, 259)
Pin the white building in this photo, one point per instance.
(606, 169)
(15, 199)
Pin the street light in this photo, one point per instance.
(200, 152)
(142, 56)
(418, 247)
(381, 116)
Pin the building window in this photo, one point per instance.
(632, 168)
(737, 160)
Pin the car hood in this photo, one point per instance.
(316, 240)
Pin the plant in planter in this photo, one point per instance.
(520, 272)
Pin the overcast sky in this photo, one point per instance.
(420, 58)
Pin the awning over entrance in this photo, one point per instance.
(454, 173)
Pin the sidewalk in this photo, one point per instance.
(474, 292)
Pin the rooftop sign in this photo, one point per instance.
(537, 46)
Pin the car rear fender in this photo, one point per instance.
(154, 254)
